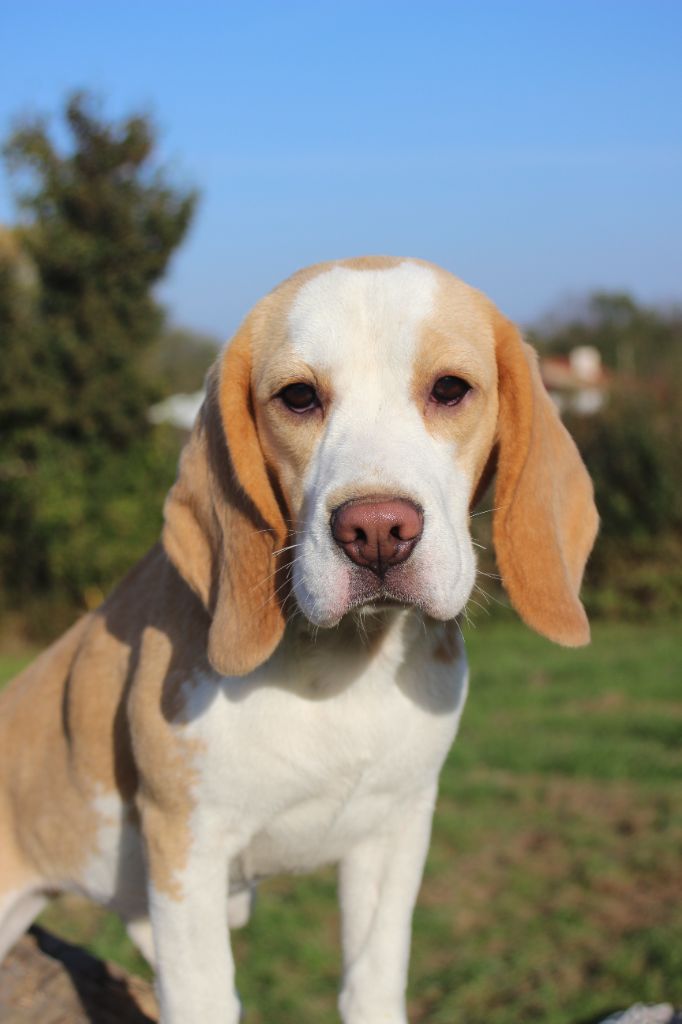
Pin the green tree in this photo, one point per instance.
(100, 227)
(99, 224)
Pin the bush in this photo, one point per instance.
(76, 518)
(633, 450)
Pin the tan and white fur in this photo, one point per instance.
(250, 700)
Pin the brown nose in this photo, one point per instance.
(377, 534)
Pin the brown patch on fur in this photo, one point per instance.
(56, 749)
(287, 439)
(95, 702)
(169, 647)
(173, 700)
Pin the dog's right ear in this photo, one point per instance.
(223, 521)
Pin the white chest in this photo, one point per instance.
(301, 761)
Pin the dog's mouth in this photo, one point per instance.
(395, 589)
(360, 589)
(380, 604)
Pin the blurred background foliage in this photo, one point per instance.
(86, 353)
(632, 446)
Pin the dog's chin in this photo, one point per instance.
(369, 594)
(360, 608)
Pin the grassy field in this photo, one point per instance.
(553, 890)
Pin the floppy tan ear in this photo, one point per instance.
(223, 521)
(545, 521)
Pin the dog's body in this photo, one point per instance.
(197, 733)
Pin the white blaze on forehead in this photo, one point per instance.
(361, 317)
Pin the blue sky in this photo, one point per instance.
(535, 149)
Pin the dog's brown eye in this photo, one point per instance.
(449, 390)
(299, 397)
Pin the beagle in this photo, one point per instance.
(276, 685)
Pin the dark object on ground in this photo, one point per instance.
(45, 980)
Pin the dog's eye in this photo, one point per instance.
(299, 397)
(449, 390)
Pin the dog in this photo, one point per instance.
(276, 685)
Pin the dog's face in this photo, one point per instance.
(361, 405)
(378, 405)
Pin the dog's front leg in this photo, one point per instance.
(379, 881)
(188, 889)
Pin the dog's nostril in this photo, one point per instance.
(360, 535)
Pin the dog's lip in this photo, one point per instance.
(386, 601)
(382, 599)
(391, 591)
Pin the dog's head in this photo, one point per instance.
(347, 430)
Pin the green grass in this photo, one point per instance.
(11, 664)
(553, 887)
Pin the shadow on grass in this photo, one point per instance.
(104, 996)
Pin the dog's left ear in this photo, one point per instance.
(545, 521)
(223, 522)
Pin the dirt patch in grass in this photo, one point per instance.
(573, 841)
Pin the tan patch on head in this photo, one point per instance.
(288, 439)
(459, 340)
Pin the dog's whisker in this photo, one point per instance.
(262, 583)
(469, 621)
(285, 582)
(489, 597)
(485, 511)
(289, 547)
(282, 585)
(479, 605)
(279, 568)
